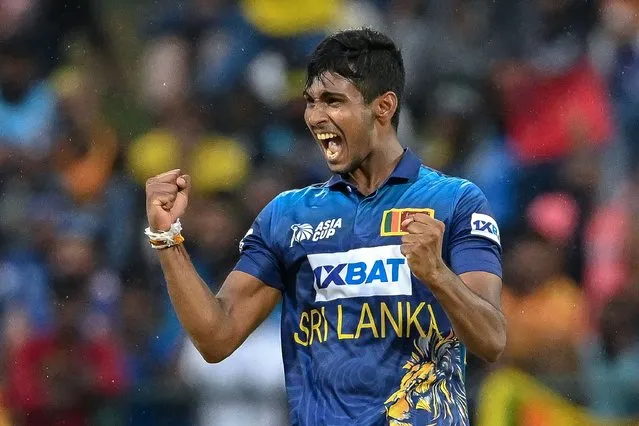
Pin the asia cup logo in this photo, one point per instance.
(307, 232)
(301, 232)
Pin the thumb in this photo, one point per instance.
(184, 184)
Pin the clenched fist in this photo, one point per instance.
(422, 246)
(166, 199)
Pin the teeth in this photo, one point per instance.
(324, 136)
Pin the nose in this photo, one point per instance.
(315, 115)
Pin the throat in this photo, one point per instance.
(374, 172)
(368, 188)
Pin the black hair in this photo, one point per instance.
(367, 58)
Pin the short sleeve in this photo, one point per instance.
(474, 242)
(258, 255)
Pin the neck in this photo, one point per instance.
(377, 167)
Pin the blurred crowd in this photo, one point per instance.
(536, 101)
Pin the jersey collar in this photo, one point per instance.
(407, 169)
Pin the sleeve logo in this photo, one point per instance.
(249, 232)
(485, 226)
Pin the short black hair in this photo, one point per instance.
(368, 58)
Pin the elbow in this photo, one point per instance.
(213, 351)
(213, 356)
(213, 347)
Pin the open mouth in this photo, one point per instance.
(332, 145)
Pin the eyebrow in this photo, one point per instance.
(325, 94)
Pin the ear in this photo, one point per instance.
(384, 107)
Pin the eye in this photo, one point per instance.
(333, 102)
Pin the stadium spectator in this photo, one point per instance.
(65, 377)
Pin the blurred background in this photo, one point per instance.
(536, 101)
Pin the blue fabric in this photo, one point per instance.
(360, 333)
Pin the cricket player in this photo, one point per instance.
(388, 272)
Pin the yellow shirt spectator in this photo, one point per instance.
(285, 18)
(215, 163)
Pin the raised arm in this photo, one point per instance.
(217, 324)
(471, 300)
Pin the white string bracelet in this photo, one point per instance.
(166, 239)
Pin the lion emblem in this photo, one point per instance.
(433, 382)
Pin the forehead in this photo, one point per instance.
(332, 83)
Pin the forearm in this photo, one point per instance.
(476, 322)
(200, 312)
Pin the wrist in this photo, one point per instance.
(165, 239)
(438, 276)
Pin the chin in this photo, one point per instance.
(340, 168)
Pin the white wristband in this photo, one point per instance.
(165, 239)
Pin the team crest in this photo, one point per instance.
(393, 218)
(433, 383)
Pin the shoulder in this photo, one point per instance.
(287, 208)
(299, 196)
(452, 187)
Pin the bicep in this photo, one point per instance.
(473, 242)
(485, 285)
(246, 301)
(253, 288)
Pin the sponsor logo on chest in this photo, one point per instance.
(363, 272)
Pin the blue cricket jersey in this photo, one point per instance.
(364, 341)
